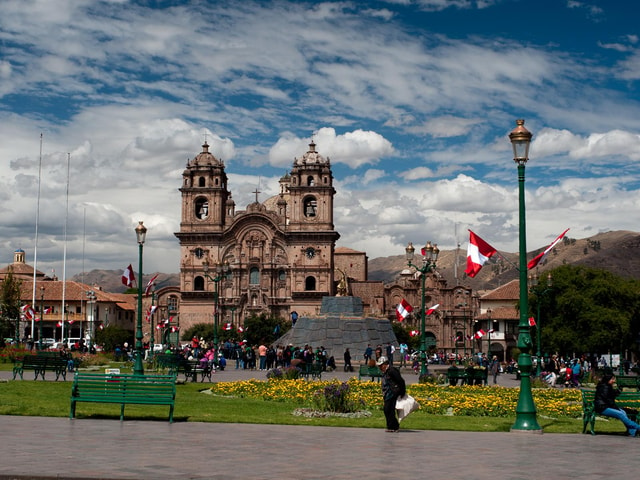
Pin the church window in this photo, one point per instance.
(202, 208)
(172, 304)
(310, 181)
(310, 283)
(282, 275)
(310, 207)
(198, 283)
(254, 276)
(202, 182)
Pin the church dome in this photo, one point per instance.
(312, 157)
(205, 157)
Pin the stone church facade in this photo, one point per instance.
(274, 257)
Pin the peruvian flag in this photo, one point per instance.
(48, 310)
(101, 326)
(538, 258)
(430, 310)
(174, 329)
(414, 333)
(478, 252)
(240, 329)
(479, 334)
(403, 310)
(128, 277)
(532, 322)
(150, 284)
(59, 324)
(28, 311)
(228, 326)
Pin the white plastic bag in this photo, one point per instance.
(405, 405)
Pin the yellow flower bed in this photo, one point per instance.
(440, 400)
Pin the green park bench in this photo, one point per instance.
(40, 364)
(374, 373)
(311, 370)
(123, 390)
(628, 381)
(627, 399)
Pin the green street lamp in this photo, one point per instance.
(41, 318)
(92, 308)
(533, 283)
(141, 234)
(526, 420)
(429, 258)
(489, 329)
(221, 272)
(153, 324)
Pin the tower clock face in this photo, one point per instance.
(199, 252)
(310, 252)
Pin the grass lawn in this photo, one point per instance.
(52, 399)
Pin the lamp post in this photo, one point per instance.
(533, 283)
(41, 318)
(141, 234)
(525, 410)
(464, 340)
(221, 271)
(489, 328)
(429, 258)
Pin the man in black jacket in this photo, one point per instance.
(393, 386)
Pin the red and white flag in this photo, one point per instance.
(430, 310)
(240, 329)
(478, 252)
(479, 334)
(532, 322)
(147, 289)
(128, 277)
(48, 310)
(27, 311)
(538, 258)
(59, 324)
(403, 310)
(228, 326)
(414, 333)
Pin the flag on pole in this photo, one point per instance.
(414, 333)
(532, 322)
(479, 334)
(538, 258)
(478, 252)
(228, 326)
(147, 289)
(430, 310)
(240, 329)
(403, 310)
(128, 277)
(48, 310)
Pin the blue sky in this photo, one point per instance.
(411, 100)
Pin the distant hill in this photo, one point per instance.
(617, 252)
(111, 280)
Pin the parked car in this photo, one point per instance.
(158, 348)
(46, 342)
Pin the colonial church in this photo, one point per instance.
(276, 256)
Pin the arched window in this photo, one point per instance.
(310, 181)
(198, 284)
(310, 207)
(172, 304)
(201, 208)
(310, 283)
(254, 276)
(202, 182)
(282, 275)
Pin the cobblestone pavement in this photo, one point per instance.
(45, 447)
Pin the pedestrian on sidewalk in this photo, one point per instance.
(393, 386)
(347, 361)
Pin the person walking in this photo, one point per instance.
(393, 386)
(605, 403)
(347, 361)
(494, 368)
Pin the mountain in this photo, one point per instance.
(617, 252)
(111, 280)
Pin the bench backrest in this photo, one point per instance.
(87, 384)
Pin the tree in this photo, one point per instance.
(589, 310)
(111, 336)
(10, 306)
(264, 329)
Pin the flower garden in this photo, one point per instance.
(438, 400)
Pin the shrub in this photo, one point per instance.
(428, 379)
(334, 397)
(286, 373)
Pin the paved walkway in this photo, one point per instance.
(44, 447)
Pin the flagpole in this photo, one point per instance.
(64, 249)
(35, 252)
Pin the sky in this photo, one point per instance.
(102, 103)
